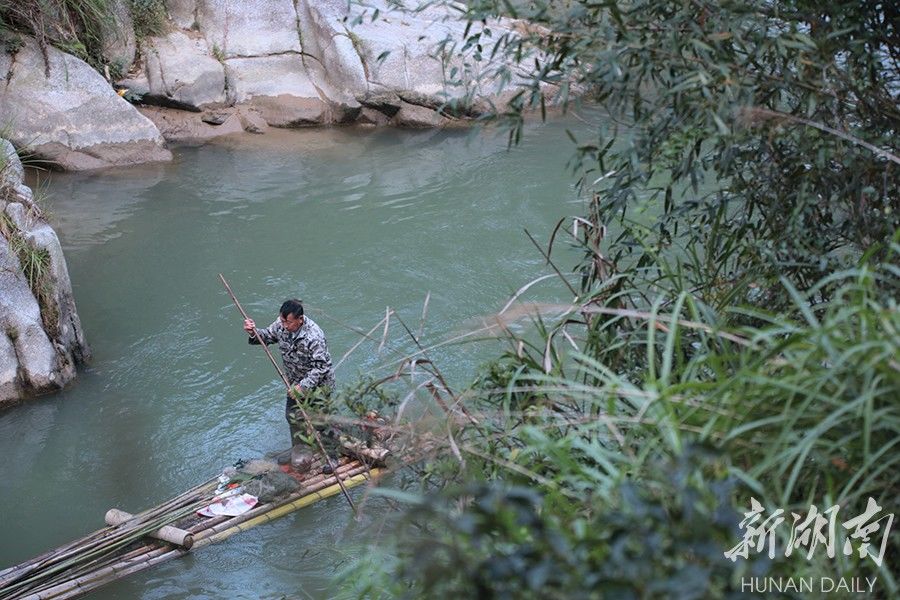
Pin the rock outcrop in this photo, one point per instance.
(223, 67)
(313, 62)
(118, 42)
(71, 117)
(41, 340)
(245, 65)
(181, 68)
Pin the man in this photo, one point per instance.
(308, 368)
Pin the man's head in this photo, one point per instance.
(292, 315)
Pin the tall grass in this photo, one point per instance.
(36, 266)
(75, 26)
(619, 440)
(587, 480)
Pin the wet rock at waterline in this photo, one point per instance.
(412, 115)
(72, 117)
(276, 63)
(41, 340)
(187, 127)
(180, 66)
(319, 62)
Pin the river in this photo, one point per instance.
(352, 221)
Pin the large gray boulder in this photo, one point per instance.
(41, 340)
(240, 28)
(330, 55)
(408, 44)
(283, 63)
(421, 56)
(279, 87)
(117, 39)
(180, 66)
(20, 319)
(72, 117)
(302, 62)
(183, 13)
(256, 46)
(398, 50)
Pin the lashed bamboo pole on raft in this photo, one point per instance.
(91, 561)
(17, 572)
(207, 532)
(290, 391)
(98, 548)
(166, 533)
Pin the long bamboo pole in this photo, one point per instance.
(105, 567)
(76, 561)
(68, 568)
(96, 549)
(183, 504)
(258, 510)
(284, 509)
(86, 583)
(290, 391)
(16, 572)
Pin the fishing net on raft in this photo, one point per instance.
(265, 480)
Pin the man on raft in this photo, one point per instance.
(307, 365)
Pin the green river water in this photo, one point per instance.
(349, 220)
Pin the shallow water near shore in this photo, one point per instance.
(352, 221)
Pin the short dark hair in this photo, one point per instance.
(292, 307)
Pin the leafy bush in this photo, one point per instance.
(149, 17)
(734, 338)
(764, 131)
(516, 542)
(581, 481)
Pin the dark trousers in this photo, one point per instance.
(317, 404)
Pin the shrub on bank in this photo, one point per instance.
(740, 342)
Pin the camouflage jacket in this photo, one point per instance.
(307, 362)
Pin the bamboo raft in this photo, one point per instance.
(167, 531)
